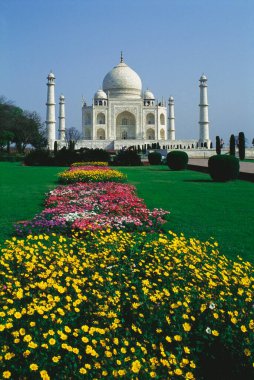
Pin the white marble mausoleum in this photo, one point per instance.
(122, 114)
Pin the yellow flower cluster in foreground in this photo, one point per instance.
(93, 163)
(95, 175)
(120, 305)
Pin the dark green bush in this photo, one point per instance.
(127, 158)
(154, 158)
(38, 158)
(241, 142)
(223, 168)
(90, 155)
(65, 157)
(177, 160)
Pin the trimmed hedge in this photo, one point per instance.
(127, 158)
(177, 160)
(154, 158)
(223, 168)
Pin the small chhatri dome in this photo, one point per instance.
(100, 94)
(61, 97)
(171, 98)
(123, 82)
(51, 75)
(203, 77)
(148, 95)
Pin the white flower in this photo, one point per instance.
(212, 306)
(208, 330)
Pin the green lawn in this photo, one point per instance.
(22, 190)
(198, 207)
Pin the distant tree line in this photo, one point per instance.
(20, 127)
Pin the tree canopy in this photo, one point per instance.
(20, 127)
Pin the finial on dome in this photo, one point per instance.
(121, 59)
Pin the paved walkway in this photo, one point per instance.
(245, 167)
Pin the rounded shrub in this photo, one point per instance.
(223, 168)
(177, 160)
(154, 158)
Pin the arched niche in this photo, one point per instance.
(100, 134)
(150, 119)
(162, 134)
(150, 134)
(162, 119)
(125, 126)
(101, 118)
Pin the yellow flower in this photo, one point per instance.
(178, 338)
(83, 371)
(52, 341)
(178, 372)
(33, 367)
(215, 333)
(44, 375)
(135, 366)
(6, 374)
(189, 376)
(152, 374)
(247, 352)
(56, 359)
(186, 327)
(243, 328)
(17, 315)
(27, 338)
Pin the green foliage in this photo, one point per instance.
(55, 148)
(20, 127)
(154, 158)
(218, 145)
(223, 168)
(89, 155)
(38, 158)
(232, 145)
(127, 158)
(241, 142)
(65, 157)
(177, 160)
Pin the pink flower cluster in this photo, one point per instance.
(92, 206)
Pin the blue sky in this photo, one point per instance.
(169, 43)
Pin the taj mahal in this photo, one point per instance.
(123, 115)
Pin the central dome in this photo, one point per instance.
(123, 82)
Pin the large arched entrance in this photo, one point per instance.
(125, 126)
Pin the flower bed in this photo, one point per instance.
(93, 163)
(91, 174)
(121, 305)
(91, 206)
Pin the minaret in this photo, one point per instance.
(61, 118)
(171, 119)
(203, 114)
(51, 111)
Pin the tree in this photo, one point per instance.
(20, 127)
(218, 145)
(232, 145)
(72, 135)
(241, 146)
(253, 142)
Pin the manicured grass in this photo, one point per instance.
(200, 207)
(22, 190)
